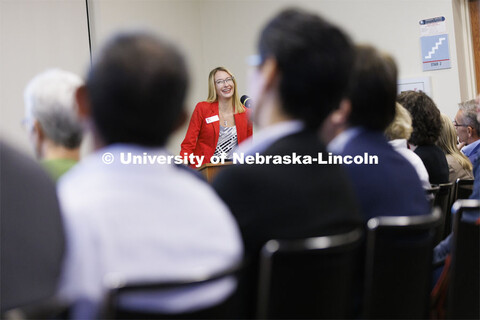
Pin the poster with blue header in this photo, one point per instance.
(434, 44)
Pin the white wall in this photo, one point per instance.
(393, 26)
(36, 35)
(178, 20)
(464, 49)
(390, 25)
(213, 33)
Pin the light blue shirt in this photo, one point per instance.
(468, 149)
(337, 145)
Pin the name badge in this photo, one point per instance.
(212, 119)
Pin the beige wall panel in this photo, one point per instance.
(36, 35)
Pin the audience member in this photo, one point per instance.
(31, 235)
(444, 248)
(459, 166)
(51, 119)
(398, 133)
(140, 221)
(391, 187)
(468, 129)
(427, 124)
(302, 75)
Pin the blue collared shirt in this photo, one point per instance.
(471, 150)
(337, 145)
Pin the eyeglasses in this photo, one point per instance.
(227, 81)
(455, 124)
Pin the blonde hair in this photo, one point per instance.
(448, 143)
(212, 93)
(401, 126)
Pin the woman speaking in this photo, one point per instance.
(219, 124)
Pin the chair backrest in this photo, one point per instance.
(399, 266)
(463, 293)
(309, 278)
(442, 201)
(463, 189)
(431, 194)
(50, 308)
(119, 289)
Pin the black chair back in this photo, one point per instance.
(463, 293)
(309, 278)
(119, 290)
(462, 189)
(50, 308)
(431, 194)
(442, 201)
(398, 271)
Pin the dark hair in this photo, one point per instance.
(426, 118)
(374, 89)
(314, 59)
(137, 87)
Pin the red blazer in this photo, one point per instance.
(202, 137)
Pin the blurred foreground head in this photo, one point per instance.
(305, 62)
(371, 96)
(135, 90)
(374, 89)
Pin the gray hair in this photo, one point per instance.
(469, 113)
(50, 99)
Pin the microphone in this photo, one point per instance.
(246, 101)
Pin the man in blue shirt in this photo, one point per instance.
(468, 129)
(392, 186)
(444, 248)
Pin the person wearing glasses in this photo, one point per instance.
(468, 129)
(445, 248)
(218, 124)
